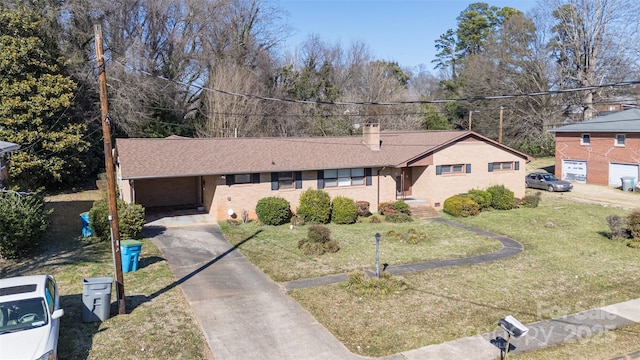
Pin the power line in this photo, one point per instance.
(387, 103)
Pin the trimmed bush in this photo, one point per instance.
(501, 197)
(344, 210)
(315, 207)
(481, 197)
(385, 208)
(130, 220)
(363, 208)
(318, 241)
(617, 227)
(531, 201)
(374, 219)
(633, 223)
(460, 206)
(398, 218)
(401, 207)
(23, 221)
(273, 210)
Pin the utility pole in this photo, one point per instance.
(470, 112)
(111, 181)
(500, 130)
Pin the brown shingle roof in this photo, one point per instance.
(174, 157)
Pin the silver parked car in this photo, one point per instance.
(29, 317)
(546, 181)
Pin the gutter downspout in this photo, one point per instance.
(378, 177)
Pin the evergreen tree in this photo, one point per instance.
(35, 95)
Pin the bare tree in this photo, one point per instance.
(592, 43)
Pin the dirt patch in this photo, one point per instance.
(598, 194)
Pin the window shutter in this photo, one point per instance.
(320, 179)
(517, 165)
(230, 179)
(368, 177)
(274, 181)
(468, 170)
(490, 167)
(256, 178)
(438, 170)
(298, 177)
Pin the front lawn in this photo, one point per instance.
(569, 264)
(274, 249)
(158, 324)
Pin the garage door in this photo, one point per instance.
(616, 171)
(166, 192)
(574, 170)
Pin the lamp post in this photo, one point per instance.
(377, 255)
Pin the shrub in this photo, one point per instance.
(398, 218)
(315, 207)
(273, 210)
(412, 236)
(481, 197)
(344, 210)
(401, 207)
(386, 208)
(617, 227)
(373, 287)
(363, 208)
(461, 206)
(501, 197)
(374, 219)
(531, 201)
(23, 221)
(318, 241)
(633, 223)
(319, 234)
(130, 219)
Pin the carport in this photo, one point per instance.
(159, 192)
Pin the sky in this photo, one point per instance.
(400, 31)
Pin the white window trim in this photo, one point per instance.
(617, 143)
(582, 139)
(342, 180)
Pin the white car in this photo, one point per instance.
(29, 318)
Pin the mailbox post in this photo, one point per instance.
(514, 328)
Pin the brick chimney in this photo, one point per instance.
(371, 135)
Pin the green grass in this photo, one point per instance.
(569, 264)
(158, 324)
(274, 248)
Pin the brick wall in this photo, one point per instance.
(598, 154)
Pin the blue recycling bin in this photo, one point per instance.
(86, 228)
(130, 250)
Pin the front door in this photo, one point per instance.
(404, 183)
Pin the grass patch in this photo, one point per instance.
(275, 249)
(565, 268)
(159, 323)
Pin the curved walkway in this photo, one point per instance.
(509, 248)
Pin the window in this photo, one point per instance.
(621, 139)
(242, 178)
(344, 177)
(502, 166)
(285, 180)
(585, 140)
(451, 169)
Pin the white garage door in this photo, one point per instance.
(616, 171)
(574, 170)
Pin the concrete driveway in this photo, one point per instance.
(597, 194)
(243, 314)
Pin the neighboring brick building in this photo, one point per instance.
(232, 174)
(601, 150)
